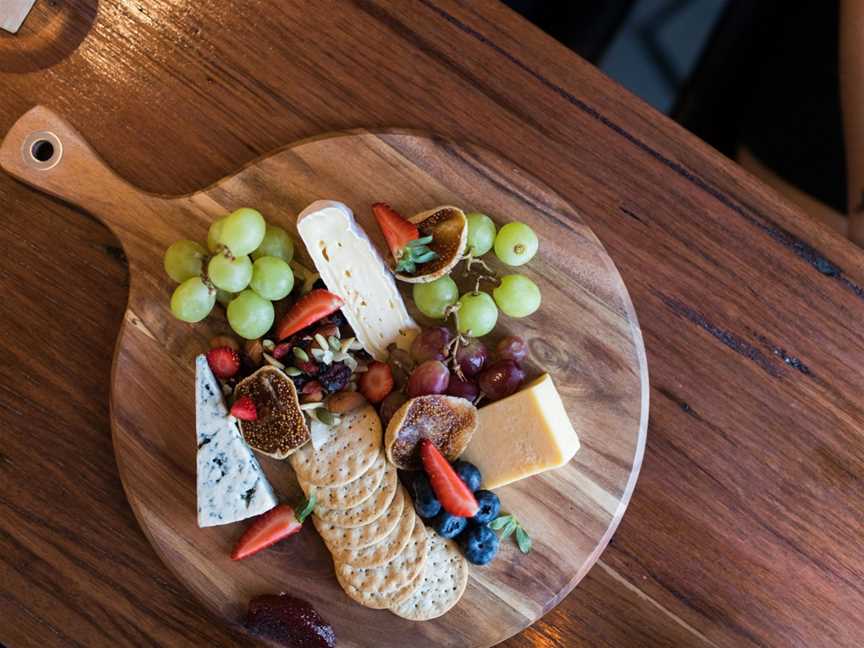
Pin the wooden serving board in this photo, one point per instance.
(585, 334)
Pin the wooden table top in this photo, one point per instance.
(745, 526)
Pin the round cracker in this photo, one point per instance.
(352, 493)
(442, 584)
(385, 585)
(351, 447)
(340, 538)
(368, 510)
(388, 548)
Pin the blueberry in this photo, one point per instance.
(469, 473)
(490, 506)
(480, 544)
(448, 525)
(425, 502)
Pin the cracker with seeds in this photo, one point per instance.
(390, 583)
(387, 548)
(368, 510)
(340, 538)
(442, 584)
(351, 447)
(352, 493)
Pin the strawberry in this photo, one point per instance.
(276, 524)
(224, 362)
(244, 409)
(376, 382)
(310, 308)
(455, 496)
(403, 239)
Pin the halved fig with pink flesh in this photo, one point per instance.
(447, 421)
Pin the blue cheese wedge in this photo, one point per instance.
(351, 267)
(231, 486)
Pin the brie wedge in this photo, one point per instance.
(231, 486)
(351, 267)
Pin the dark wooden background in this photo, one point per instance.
(746, 525)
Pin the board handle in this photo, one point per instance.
(44, 151)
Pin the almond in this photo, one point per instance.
(345, 401)
(254, 350)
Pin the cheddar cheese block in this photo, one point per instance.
(522, 435)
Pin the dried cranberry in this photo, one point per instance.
(335, 377)
(310, 368)
(281, 350)
(312, 391)
(299, 381)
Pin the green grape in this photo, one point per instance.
(272, 278)
(276, 243)
(516, 244)
(481, 234)
(517, 295)
(192, 300)
(250, 315)
(232, 275)
(224, 297)
(477, 314)
(243, 231)
(434, 297)
(214, 233)
(183, 260)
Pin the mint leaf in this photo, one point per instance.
(512, 525)
(499, 522)
(308, 507)
(523, 540)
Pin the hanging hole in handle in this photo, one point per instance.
(42, 150)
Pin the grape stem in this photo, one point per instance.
(453, 345)
(205, 278)
(225, 251)
(490, 278)
(471, 261)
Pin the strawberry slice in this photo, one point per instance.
(376, 382)
(244, 409)
(455, 496)
(224, 362)
(276, 524)
(403, 239)
(310, 308)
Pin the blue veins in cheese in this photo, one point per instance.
(351, 267)
(231, 485)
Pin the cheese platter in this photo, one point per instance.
(407, 341)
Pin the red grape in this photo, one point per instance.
(462, 388)
(513, 348)
(431, 377)
(431, 344)
(390, 404)
(500, 379)
(472, 357)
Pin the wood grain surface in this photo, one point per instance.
(745, 527)
(587, 314)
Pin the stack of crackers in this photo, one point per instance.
(384, 556)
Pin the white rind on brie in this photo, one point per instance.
(231, 486)
(351, 267)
